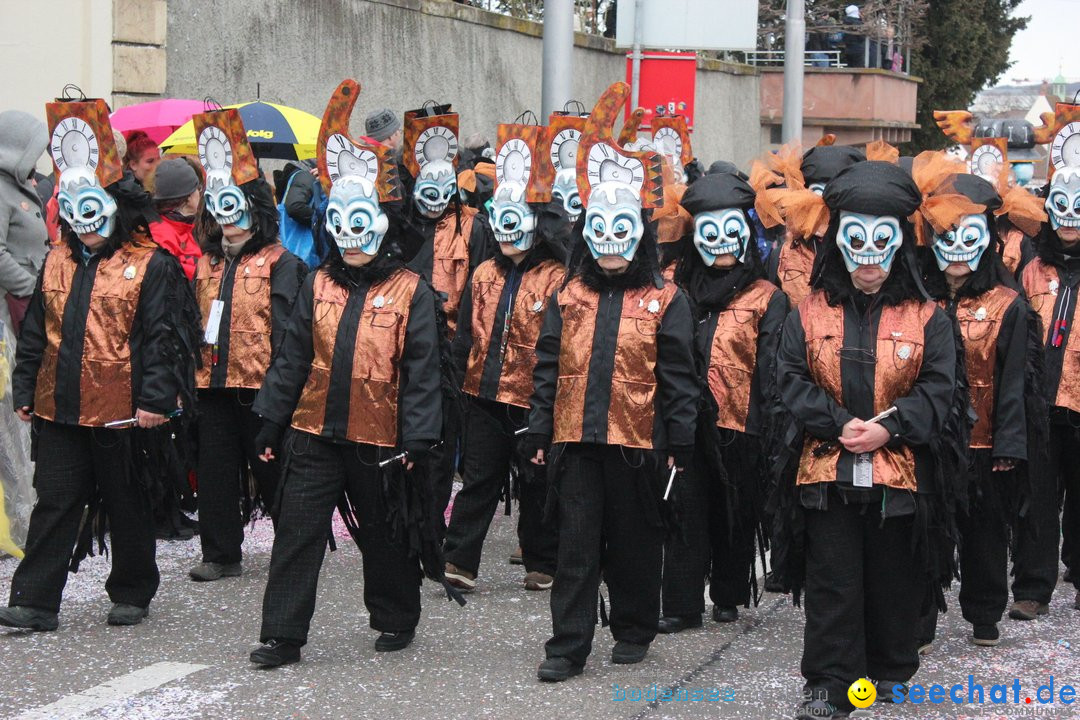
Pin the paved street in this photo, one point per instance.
(473, 662)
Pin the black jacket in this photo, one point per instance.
(154, 373)
(419, 398)
(297, 198)
(417, 240)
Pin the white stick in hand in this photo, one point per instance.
(670, 480)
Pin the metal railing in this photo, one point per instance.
(814, 58)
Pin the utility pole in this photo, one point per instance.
(635, 63)
(558, 65)
(794, 52)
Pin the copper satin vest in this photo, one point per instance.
(249, 315)
(793, 270)
(980, 321)
(733, 353)
(519, 340)
(380, 342)
(668, 271)
(105, 392)
(633, 381)
(450, 263)
(1041, 284)
(1012, 249)
(899, 355)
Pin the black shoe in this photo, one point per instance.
(678, 623)
(725, 613)
(772, 583)
(122, 614)
(557, 669)
(817, 709)
(391, 641)
(985, 635)
(274, 653)
(26, 618)
(628, 653)
(210, 571)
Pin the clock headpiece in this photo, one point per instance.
(431, 142)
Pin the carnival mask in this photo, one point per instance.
(512, 220)
(435, 188)
(613, 222)
(868, 240)
(354, 217)
(721, 232)
(1063, 202)
(84, 204)
(566, 191)
(226, 201)
(818, 188)
(965, 244)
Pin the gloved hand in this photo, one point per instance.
(269, 436)
(531, 442)
(418, 451)
(683, 454)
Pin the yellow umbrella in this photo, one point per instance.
(274, 131)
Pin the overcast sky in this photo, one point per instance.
(1048, 43)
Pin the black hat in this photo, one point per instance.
(723, 166)
(821, 164)
(976, 189)
(873, 188)
(716, 192)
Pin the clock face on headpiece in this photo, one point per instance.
(215, 152)
(668, 142)
(606, 165)
(514, 161)
(436, 143)
(74, 144)
(343, 158)
(564, 147)
(1065, 150)
(986, 160)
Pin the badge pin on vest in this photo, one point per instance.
(654, 306)
(129, 272)
(979, 314)
(903, 352)
(538, 306)
(379, 301)
(1053, 287)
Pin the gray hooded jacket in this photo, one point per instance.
(24, 240)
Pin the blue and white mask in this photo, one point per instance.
(84, 204)
(512, 220)
(818, 188)
(965, 244)
(721, 232)
(435, 187)
(1063, 202)
(868, 240)
(354, 217)
(613, 222)
(565, 190)
(225, 201)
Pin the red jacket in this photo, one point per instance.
(176, 237)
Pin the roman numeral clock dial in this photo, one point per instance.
(607, 165)
(74, 144)
(1065, 150)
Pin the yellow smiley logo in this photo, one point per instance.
(862, 693)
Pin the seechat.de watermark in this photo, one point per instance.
(973, 693)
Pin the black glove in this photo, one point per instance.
(531, 442)
(683, 454)
(269, 437)
(418, 451)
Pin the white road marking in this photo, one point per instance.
(112, 691)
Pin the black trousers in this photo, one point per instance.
(1035, 563)
(489, 449)
(227, 458)
(72, 463)
(317, 472)
(609, 518)
(863, 599)
(687, 553)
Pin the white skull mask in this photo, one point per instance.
(226, 201)
(84, 204)
(868, 239)
(512, 220)
(965, 244)
(435, 187)
(613, 222)
(1063, 202)
(354, 217)
(721, 232)
(565, 190)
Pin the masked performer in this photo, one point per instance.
(1051, 281)
(614, 403)
(501, 314)
(245, 283)
(104, 339)
(739, 315)
(564, 131)
(1002, 352)
(359, 375)
(865, 491)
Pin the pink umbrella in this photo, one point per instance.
(158, 118)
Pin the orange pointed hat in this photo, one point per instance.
(339, 155)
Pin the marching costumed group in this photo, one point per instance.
(848, 367)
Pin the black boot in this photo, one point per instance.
(725, 613)
(123, 614)
(391, 641)
(274, 653)
(26, 618)
(628, 653)
(557, 669)
(678, 623)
